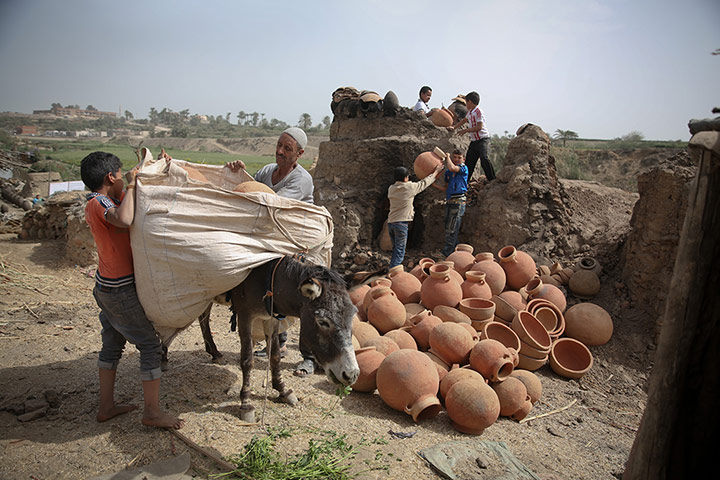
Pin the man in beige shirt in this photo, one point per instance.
(401, 195)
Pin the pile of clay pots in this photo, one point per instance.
(11, 195)
(465, 334)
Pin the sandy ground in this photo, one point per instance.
(49, 339)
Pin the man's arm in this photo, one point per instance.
(236, 165)
(476, 128)
(429, 180)
(123, 215)
(450, 165)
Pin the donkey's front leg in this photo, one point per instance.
(286, 395)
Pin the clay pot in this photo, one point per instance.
(475, 286)
(451, 342)
(450, 314)
(514, 298)
(550, 280)
(441, 118)
(405, 285)
(537, 306)
(462, 257)
(537, 289)
(529, 363)
(412, 309)
(377, 283)
(523, 411)
(251, 186)
(548, 318)
(512, 394)
(531, 381)
(402, 338)
(425, 164)
(408, 381)
(457, 375)
(532, 352)
(368, 360)
(357, 294)
(570, 358)
(421, 269)
(543, 270)
(589, 323)
(584, 284)
(363, 331)
(531, 331)
(494, 273)
(519, 267)
(385, 312)
(355, 343)
(471, 330)
(502, 333)
(565, 274)
(441, 365)
(454, 274)
(589, 263)
(492, 360)
(439, 288)
(478, 309)
(504, 309)
(383, 344)
(472, 406)
(422, 325)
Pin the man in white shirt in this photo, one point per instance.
(422, 103)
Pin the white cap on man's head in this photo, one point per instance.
(298, 135)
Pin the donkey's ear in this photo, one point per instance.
(311, 288)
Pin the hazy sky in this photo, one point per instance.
(601, 68)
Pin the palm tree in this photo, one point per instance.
(565, 135)
(305, 121)
(241, 116)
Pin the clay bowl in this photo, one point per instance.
(570, 358)
(531, 331)
(528, 363)
(478, 308)
(537, 303)
(547, 317)
(502, 333)
(504, 309)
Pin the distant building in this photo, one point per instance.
(26, 130)
(75, 112)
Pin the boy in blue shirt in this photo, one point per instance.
(456, 177)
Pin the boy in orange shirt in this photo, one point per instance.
(110, 212)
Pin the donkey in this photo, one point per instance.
(291, 287)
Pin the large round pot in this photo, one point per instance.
(537, 289)
(462, 257)
(441, 118)
(584, 284)
(519, 267)
(439, 288)
(450, 314)
(364, 331)
(405, 285)
(451, 342)
(475, 286)
(422, 324)
(385, 312)
(402, 338)
(589, 323)
(472, 406)
(492, 360)
(456, 375)
(408, 381)
(512, 394)
(531, 331)
(494, 273)
(425, 164)
(531, 381)
(369, 360)
(383, 344)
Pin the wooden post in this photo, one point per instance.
(678, 432)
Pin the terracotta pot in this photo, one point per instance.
(375, 284)
(408, 381)
(441, 118)
(402, 338)
(472, 406)
(584, 284)
(412, 309)
(547, 317)
(475, 334)
(536, 307)
(250, 186)
(513, 298)
(357, 294)
(502, 333)
(589, 323)
(543, 270)
(532, 352)
(494, 273)
(512, 394)
(478, 309)
(421, 269)
(531, 331)
(405, 285)
(457, 375)
(528, 363)
(570, 358)
(523, 411)
(355, 343)
(462, 257)
(425, 164)
(439, 288)
(589, 263)
(537, 289)
(422, 325)
(565, 274)
(531, 381)
(454, 274)
(478, 325)
(492, 360)
(555, 268)
(450, 314)
(383, 344)
(385, 312)
(475, 286)
(442, 367)
(519, 266)
(368, 359)
(451, 342)
(550, 280)
(363, 331)
(504, 309)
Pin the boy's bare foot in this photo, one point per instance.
(104, 415)
(162, 419)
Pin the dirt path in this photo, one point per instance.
(49, 341)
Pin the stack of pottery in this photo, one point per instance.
(535, 342)
(494, 273)
(504, 310)
(480, 311)
(462, 257)
(549, 314)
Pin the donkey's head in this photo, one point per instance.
(326, 320)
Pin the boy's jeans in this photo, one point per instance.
(453, 219)
(398, 234)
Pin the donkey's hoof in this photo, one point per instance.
(289, 398)
(247, 413)
(218, 360)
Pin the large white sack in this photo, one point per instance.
(193, 240)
